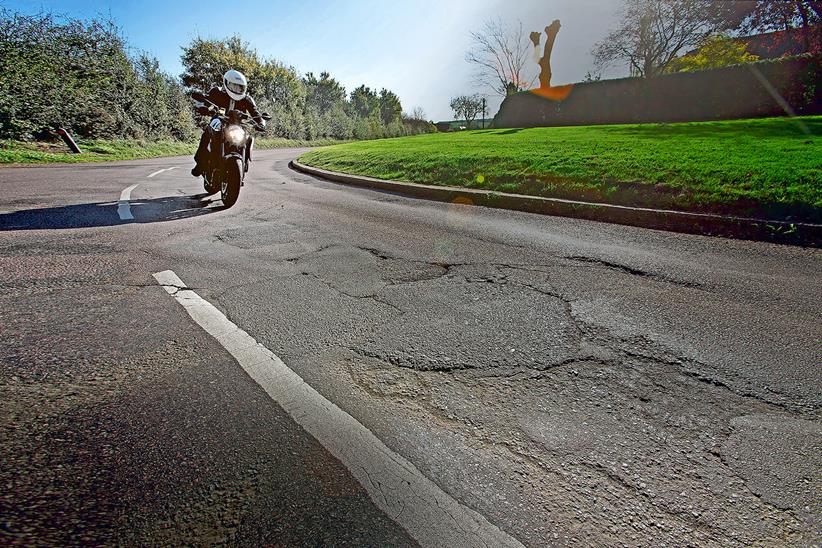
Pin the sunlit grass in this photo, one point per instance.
(771, 166)
(15, 152)
(12, 152)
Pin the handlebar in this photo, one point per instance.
(223, 114)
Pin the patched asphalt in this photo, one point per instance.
(574, 382)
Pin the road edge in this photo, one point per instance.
(707, 224)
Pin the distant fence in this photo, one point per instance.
(767, 88)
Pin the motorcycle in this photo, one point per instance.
(235, 144)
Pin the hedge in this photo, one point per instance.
(768, 88)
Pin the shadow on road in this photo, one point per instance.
(100, 214)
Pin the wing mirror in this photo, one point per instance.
(265, 116)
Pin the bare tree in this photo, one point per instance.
(651, 33)
(418, 113)
(500, 53)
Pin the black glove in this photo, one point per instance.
(205, 110)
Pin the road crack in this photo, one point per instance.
(634, 271)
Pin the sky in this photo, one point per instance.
(415, 48)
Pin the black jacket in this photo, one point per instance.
(220, 98)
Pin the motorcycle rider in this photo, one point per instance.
(232, 95)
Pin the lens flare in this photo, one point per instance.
(555, 93)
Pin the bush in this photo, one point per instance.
(717, 51)
(78, 75)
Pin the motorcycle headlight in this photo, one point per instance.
(235, 135)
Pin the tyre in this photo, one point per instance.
(232, 181)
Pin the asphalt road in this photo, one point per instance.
(572, 382)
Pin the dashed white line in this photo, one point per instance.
(161, 171)
(123, 208)
(395, 485)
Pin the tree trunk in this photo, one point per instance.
(806, 27)
(545, 62)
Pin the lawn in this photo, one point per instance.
(757, 167)
(15, 152)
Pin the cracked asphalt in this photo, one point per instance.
(576, 383)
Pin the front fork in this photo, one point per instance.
(248, 148)
(245, 156)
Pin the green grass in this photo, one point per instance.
(292, 143)
(15, 152)
(760, 167)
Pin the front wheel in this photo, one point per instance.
(230, 189)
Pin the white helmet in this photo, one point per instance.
(235, 84)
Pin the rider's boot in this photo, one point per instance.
(201, 156)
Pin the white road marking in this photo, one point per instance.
(431, 516)
(161, 171)
(123, 208)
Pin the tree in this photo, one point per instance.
(324, 103)
(415, 122)
(770, 15)
(717, 51)
(418, 114)
(280, 92)
(390, 107)
(466, 107)
(323, 92)
(341, 124)
(652, 33)
(499, 54)
(276, 88)
(206, 60)
(364, 102)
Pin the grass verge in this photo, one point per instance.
(15, 152)
(766, 167)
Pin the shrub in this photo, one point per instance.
(78, 75)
